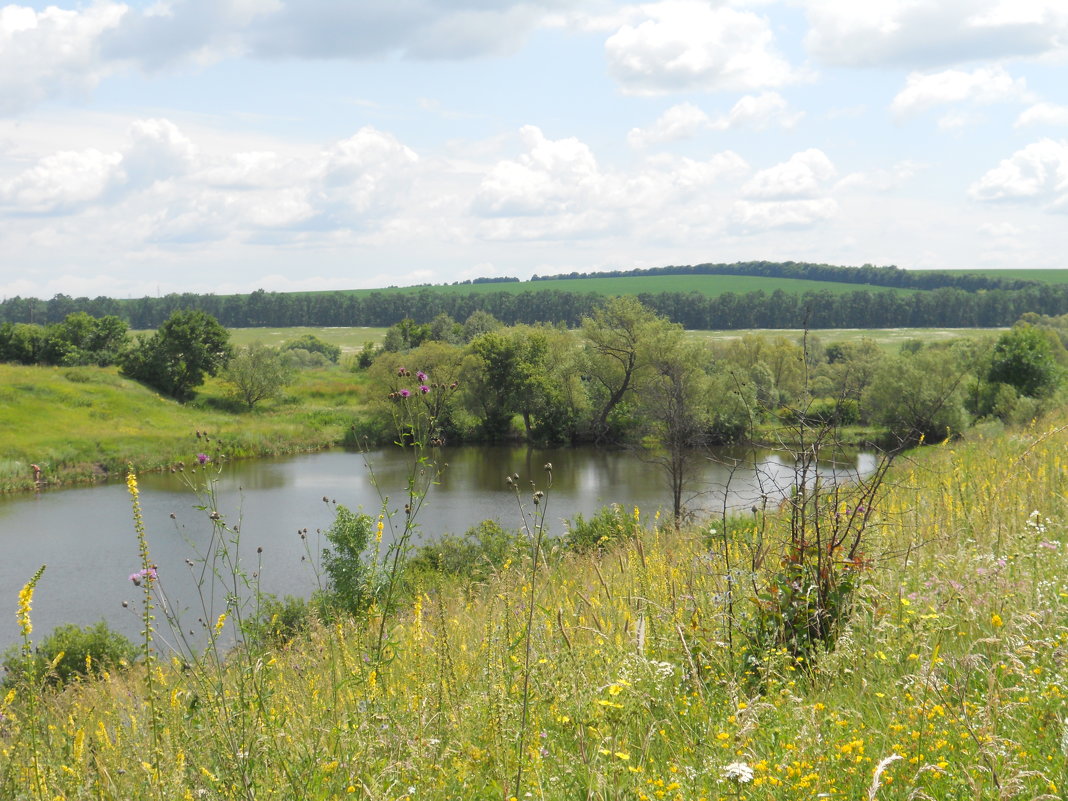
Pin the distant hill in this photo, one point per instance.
(704, 296)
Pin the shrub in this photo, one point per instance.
(608, 525)
(345, 563)
(476, 554)
(76, 652)
(278, 621)
(310, 343)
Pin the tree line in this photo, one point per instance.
(890, 276)
(946, 307)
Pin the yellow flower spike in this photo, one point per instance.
(22, 613)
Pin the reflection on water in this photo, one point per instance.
(86, 536)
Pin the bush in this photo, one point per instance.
(608, 525)
(476, 554)
(303, 359)
(278, 621)
(310, 343)
(76, 652)
(345, 563)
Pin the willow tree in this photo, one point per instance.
(615, 334)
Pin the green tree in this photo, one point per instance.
(918, 395)
(675, 404)
(82, 339)
(175, 360)
(405, 335)
(614, 334)
(1026, 358)
(257, 372)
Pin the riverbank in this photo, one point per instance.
(81, 425)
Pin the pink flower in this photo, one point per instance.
(203, 458)
(421, 375)
(424, 389)
(404, 393)
(146, 573)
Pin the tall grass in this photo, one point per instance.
(954, 659)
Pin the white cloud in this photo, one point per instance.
(157, 151)
(759, 112)
(790, 194)
(982, 85)
(53, 52)
(63, 182)
(551, 177)
(367, 173)
(930, 33)
(1036, 173)
(57, 52)
(683, 45)
(749, 216)
(1043, 114)
(684, 121)
(802, 176)
(879, 180)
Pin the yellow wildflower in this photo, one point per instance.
(22, 614)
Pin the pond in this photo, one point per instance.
(87, 539)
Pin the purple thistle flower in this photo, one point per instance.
(203, 458)
(146, 573)
(421, 375)
(424, 389)
(404, 393)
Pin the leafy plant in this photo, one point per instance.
(610, 524)
(346, 563)
(69, 652)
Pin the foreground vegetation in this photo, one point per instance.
(654, 665)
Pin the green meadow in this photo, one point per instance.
(81, 424)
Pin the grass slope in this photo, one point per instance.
(87, 423)
(948, 681)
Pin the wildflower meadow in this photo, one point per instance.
(659, 664)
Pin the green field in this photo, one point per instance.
(711, 285)
(352, 339)
(349, 339)
(886, 338)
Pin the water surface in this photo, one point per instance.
(86, 536)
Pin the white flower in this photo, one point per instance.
(738, 771)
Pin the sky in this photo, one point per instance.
(232, 145)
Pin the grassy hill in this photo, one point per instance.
(710, 285)
(88, 423)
